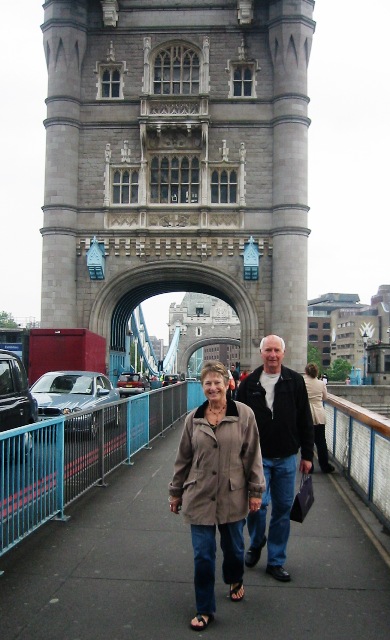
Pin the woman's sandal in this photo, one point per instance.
(204, 623)
(235, 590)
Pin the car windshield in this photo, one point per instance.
(129, 377)
(64, 383)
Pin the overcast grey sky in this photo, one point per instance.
(349, 141)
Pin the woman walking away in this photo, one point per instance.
(316, 390)
(218, 477)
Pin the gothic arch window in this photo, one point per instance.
(174, 179)
(125, 186)
(224, 186)
(176, 71)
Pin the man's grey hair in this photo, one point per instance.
(282, 342)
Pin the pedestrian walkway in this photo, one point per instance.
(121, 568)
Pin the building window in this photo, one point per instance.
(326, 350)
(125, 186)
(313, 325)
(326, 325)
(110, 82)
(313, 337)
(224, 186)
(198, 332)
(176, 71)
(242, 77)
(326, 338)
(243, 81)
(174, 180)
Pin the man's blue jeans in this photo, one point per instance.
(205, 548)
(280, 491)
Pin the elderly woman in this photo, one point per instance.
(317, 393)
(218, 477)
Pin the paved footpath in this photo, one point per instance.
(121, 568)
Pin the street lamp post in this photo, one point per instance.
(135, 354)
(365, 340)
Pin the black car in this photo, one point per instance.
(170, 378)
(17, 406)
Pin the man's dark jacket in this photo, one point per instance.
(290, 427)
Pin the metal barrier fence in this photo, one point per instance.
(47, 465)
(359, 440)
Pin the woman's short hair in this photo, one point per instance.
(214, 366)
(312, 370)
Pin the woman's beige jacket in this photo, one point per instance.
(316, 390)
(216, 471)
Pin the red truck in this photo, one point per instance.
(65, 350)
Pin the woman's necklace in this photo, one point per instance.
(218, 414)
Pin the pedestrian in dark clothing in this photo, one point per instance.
(236, 378)
(279, 400)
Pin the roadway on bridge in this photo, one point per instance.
(121, 568)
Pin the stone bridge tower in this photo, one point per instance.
(201, 318)
(176, 160)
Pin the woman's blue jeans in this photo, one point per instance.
(280, 475)
(205, 548)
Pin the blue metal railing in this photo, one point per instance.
(359, 441)
(47, 465)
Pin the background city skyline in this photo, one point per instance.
(348, 142)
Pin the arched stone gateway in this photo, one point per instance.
(129, 289)
(186, 355)
(176, 159)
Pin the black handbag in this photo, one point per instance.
(303, 500)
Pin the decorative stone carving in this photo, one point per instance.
(174, 108)
(178, 138)
(224, 220)
(125, 152)
(111, 53)
(146, 76)
(110, 12)
(243, 50)
(122, 220)
(245, 11)
(224, 151)
(107, 156)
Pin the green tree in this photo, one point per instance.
(7, 321)
(313, 355)
(339, 370)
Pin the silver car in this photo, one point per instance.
(68, 392)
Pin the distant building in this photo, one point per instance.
(158, 346)
(340, 327)
(225, 353)
(378, 350)
(348, 327)
(319, 312)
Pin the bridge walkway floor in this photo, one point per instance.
(121, 568)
